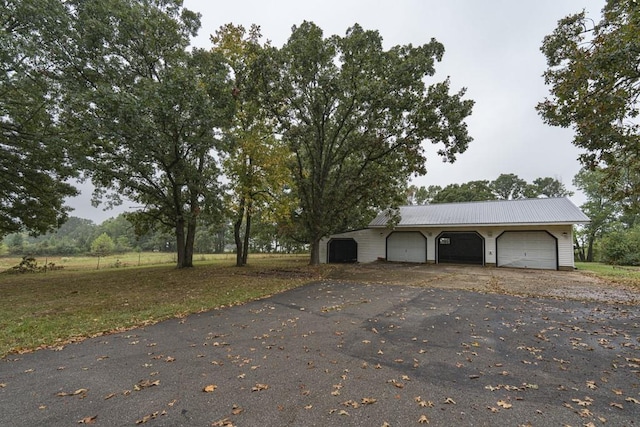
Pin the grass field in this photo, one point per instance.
(52, 308)
(129, 259)
(615, 273)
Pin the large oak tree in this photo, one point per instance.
(594, 80)
(147, 112)
(355, 116)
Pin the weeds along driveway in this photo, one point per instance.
(336, 353)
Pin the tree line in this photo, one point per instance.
(79, 236)
(508, 186)
(308, 139)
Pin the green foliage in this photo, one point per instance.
(622, 247)
(509, 186)
(601, 210)
(505, 187)
(34, 155)
(255, 161)
(472, 191)
(146, 110)
(595, 88)
(103, 245)
(354, 116)
(547, 187)
(422, 195)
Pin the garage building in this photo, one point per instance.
(528, 233)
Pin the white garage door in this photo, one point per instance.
(407, 246)
(527, 249)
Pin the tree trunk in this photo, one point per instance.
(590, 248)
(236, 234)
(315, 252)
(189, 243)
(247, 234)
(180, 241)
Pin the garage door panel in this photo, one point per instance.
(527, 249)
(407, 246)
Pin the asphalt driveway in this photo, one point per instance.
(337, 353)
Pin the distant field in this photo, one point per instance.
(130, 259)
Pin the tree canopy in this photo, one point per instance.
(506, 187)
(595, 88)
(34, 161)
(354, 115)
(254, 160)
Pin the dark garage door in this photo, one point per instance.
(461, 248)
(343, 250)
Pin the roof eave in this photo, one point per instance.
(504, 224)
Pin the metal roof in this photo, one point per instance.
(495, 212)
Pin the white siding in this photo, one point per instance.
(371, 244)
(372, 241)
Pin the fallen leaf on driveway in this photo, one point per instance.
(75, 393)
(149, 417)
(210, 388)
(450, 401)
(225, 422)
(632, 399)
(504, 404)
(88, 420)
(423, 403)
(145, 384)
(260, 387)
(586, 402)
(351, 403)
(423, 419)
(368, 400)
(616, 405)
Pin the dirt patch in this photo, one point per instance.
(561, 284)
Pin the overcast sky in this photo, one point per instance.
(492, 47)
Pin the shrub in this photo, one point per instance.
(622, 247)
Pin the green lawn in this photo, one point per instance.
(52, 308)
(615, 273)
(129, 259)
